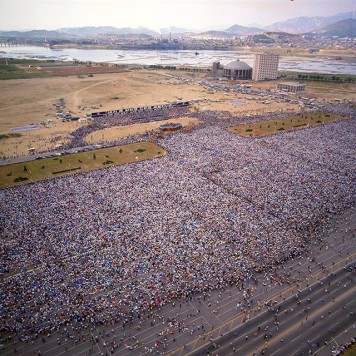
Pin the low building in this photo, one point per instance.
(218, 70)
(293, 87)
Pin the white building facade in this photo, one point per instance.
(265, 66)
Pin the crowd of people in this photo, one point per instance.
(114, 244)
(339, 350)
(129, 118)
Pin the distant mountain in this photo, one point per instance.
(262, 38)
(256, 25)
(138, 30)
(231, 32)
(106, 30)
(308, 24)
(280, 34)
(88, 31)
(136, 36)
(213, 34)
(238, 30)
(35, 34)
(343, 28)
(172, 29)
(80, 32)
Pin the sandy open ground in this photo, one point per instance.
(119, 132)
(250, 106)
(26, 101)
(42, 139)
(320, 90)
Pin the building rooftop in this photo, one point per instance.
(291, 83)
(237, 65)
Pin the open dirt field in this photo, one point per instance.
(30, 101)
(248, 106)
(26, 101)
(320, 90)
(118, 132)
(43, 139)
(84, 70)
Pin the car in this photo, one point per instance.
(38, 157)
(352, 268)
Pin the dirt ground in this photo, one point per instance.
(246, 105)
(26, 101)
(118, 132)
(83, 70)
(32, 100)
(42, 139)
(320, 90)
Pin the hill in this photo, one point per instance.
(307, 24)
(173, 29)
(343, 28)
(213, 34)
(106, 30)
(35, 34)
(238, 30)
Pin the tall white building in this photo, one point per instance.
(265, 66)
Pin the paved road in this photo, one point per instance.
(49, 154)
(286, 327)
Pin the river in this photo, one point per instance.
(347, 65)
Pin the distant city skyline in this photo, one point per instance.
(156, 14)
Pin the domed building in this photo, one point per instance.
(238, 70)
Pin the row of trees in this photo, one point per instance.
(327, 78)
(188, 69)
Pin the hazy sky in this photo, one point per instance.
(155, 14)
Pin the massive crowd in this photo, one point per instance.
(135, 117)
(113, 244)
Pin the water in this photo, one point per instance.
(179, 58)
